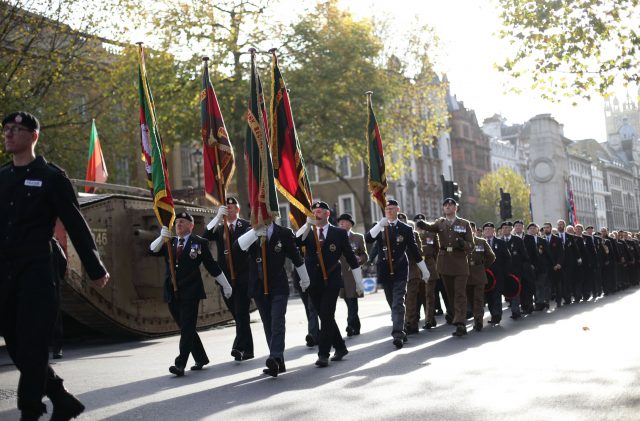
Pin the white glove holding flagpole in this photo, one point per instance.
(377, 228)
(222, 212)
(156, 245)
(250, 237)
(304, 230)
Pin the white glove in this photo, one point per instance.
(304, 277)
(222, 211)
(377, 228)
(247, 239)
(425, 272)
(357, 276)
(303, 231)
(226, 288)
(156, 245)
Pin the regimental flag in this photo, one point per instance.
(262, 191)
(377, 177)
(219, 162)
(153, 151)
(288, 164)
(96, 167)
(571, 205)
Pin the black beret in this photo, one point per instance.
(517, 221)
(506, 223)
(346, 217)
(23, 118)
(402, 215)
(533, 224)
(392, 202)
(320, 205)
(488, 225)
(449, 200)
(419, 216)
(184, 215)
(232, 201)
(590, 227)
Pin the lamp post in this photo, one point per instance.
(197, 156)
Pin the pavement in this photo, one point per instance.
(579, 362)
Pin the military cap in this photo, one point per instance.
(392, 202)
(449, 200)
(590, 227)
(23, 118)
(346, 217)
(320, 205)
(402, 215)
(518, 221)
(532, 224)
(488, 225)
(185, 215)
(232, 201)
(507, 224)
(419, 217)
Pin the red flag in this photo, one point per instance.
(377, 176)
(96, 167)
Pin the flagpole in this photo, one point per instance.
(223, 196)
(320, 257)
(167, 241)
(386, 231)
(265, 273)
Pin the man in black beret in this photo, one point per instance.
(499, 270)
(34, 194)
(540, 256)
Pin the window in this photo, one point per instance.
(185, 160)
(344, 166)
(346, 204)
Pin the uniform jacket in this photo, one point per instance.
(481, 258)
(556, 250)
(402, 241)
(590, 256)
(357, 245)
(280, 245)
(520, 263)
(414, 270)
(335, 245)
(187, 267)
(572, 256)
(240, 260)
(452, 257)
(32, 198)
(430, 250)
(500, 266)
(539, 254)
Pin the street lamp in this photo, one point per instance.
(197, 156)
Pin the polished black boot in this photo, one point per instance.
(65, 405)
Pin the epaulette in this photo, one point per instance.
(54, 166)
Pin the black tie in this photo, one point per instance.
(321, 236)
(180, 248)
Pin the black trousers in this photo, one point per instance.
(324, 299)
(239, 304)
(185, 314)
(28, 306)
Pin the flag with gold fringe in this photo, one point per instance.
(377, 176)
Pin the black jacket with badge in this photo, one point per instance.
(539, 253)
(402, 242)
(240, 259)
(187, 267)
(33, 197)
(335, 245)
(500, 267)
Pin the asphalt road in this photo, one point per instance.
(581, 362)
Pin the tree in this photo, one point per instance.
(572, 47)
(489, 196)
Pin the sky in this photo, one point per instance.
(467, 54)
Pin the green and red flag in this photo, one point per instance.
(377, 176)
(288, 165)
(262, 191)
(153, 150)
(219, 161)
(96, 167)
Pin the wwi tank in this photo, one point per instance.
(131, 304)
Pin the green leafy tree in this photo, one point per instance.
(489, 196)
(572, 48)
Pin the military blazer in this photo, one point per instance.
(480, 258)
(539, 254)
(279, 246)
(520, 264)
(402, 241)
(187, 268)
(590, 256)
(572, 256)
(335, 245)
(500, 266)
(452, 259)
(358, 246)
(430, 249)
(241, 264)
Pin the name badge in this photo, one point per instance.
(33, 183)
(459, 228)
(399, 239)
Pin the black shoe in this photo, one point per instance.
(541, 307)
(247, 356)
(404, 339)
(198, 366)
(322, 362)
(356, 332)
(399, 343)
(461, 330)
(178, 371)
(439, 312)
(516, 316)
(349, 331)
(469, 315)
(237, 354)
(339, 354)
(65, 405)
(57, 355)
(449, 318)
(272, 367)
(527, 311)
(494, 320)
(567, 302)
(477, 325)
(310, 341)
(412, 331)
(33, 414)
(430, 324)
